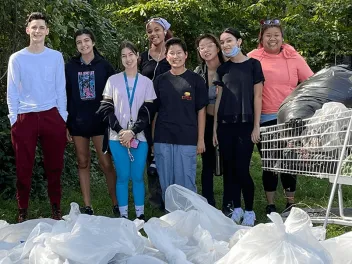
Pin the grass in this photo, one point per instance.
(311, 192)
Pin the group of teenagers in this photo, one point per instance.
(156, 113)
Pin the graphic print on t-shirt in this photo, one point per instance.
(86, 84)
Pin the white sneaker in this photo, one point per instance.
(237, 215)
(248, 218)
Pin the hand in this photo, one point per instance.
(256, 134)
(68, 136)
(200, 147)
(125, 137)
(215, 138)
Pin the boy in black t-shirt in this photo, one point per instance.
(180, 122)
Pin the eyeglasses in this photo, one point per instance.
(270, 22)
(208, 47)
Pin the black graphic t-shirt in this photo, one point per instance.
(84, 87)
(179, 98)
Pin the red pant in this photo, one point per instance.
(50, 128)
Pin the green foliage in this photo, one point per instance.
(321, 30)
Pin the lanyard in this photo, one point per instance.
(130, 96)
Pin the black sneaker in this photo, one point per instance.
(227, 210)
(87, 210)
(56, 212)
(22, 215)
(270, 208)
(124, 217)
(288, 207)
(141, 217)
(116, 211)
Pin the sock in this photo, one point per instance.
(139, 210)
(124, 211)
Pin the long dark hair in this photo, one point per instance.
(237, 34)
(90, 33)
(217, 43)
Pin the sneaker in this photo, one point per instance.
(248, 218)
(116, 211)
(141, 217)
(288, 207)
(56, 212)
(22, 215)
(227, 210)
(237, 215)
(270, 208)
(123, 216)
(87, 210)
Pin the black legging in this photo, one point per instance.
(236, 147)
(270, 179)
(208, 162)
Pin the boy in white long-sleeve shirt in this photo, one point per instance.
(36, 98)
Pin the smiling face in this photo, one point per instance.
(207, 49)
(176, 56)
(272, 40)
(228, 42)
(155, 33)
(37, 31)
(129, 58)
(84, 44)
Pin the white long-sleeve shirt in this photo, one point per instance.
(35, 83)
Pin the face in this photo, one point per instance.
(176, 56)
(155, 33)
(37, 31)
(228, 42)
(272, 40)
(84, 44)
(129, 58)
(207, 49)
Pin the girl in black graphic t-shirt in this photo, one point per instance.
(236, 124)
(86, 76)
(180, 122)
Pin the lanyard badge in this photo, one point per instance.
(130, 98)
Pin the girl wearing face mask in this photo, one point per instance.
(283, 68)
(236, 124)
(128, 92)
(86, 76)
(180, 122)
(210, 55)
(153, 63)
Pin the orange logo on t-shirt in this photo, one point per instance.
(187, 96)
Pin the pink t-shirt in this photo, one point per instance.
(115, 88)
(282, 72)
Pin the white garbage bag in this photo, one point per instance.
(220, 227)
(96, 239)
(340, 248)
(278, 243)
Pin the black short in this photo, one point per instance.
(86, 128)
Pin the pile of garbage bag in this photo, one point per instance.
(332, 84)
(193, 232)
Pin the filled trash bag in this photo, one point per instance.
(340, 248)
(291, 242)
(221, 228)
(333, 84)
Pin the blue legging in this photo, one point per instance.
(125, 170)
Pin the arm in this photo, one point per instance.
(60, 88)
(201, 129)
(216, 108)
(303, 70)
(258, 89)
(13, 82)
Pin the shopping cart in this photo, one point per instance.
(316, 147)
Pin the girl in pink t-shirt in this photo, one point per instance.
(283, 69)
(129, 90)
